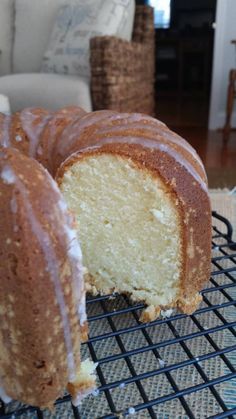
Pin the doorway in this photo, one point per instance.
(184, 50)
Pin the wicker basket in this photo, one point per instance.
(122, 71)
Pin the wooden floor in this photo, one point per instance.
(219, 159)
(189, 118)
(183, 112)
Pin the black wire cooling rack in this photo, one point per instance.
(181, 364)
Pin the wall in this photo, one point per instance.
(224, 59)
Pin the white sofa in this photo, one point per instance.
(25, 29)
(24, 34)
(51, 91)
(22, 44)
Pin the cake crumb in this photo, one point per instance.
(166, 313)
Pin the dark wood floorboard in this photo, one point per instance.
(219, 159)
(189, 117)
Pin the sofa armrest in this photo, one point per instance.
(122, 74)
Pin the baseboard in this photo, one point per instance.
(217, 121)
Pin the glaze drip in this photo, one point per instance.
(72, 132)
(74, 255)
(33, 129)
(157, 130)
(5, 398)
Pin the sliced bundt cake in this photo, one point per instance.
(42, 295)
(139, 194)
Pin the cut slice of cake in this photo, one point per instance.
(144, 217)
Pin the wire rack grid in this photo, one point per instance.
(175, 367)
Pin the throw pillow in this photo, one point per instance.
(34, 20)
(76, 24)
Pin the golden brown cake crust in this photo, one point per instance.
(35, 280)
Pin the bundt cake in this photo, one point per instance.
(42, 295)
(139, 195)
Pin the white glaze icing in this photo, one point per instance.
(82, 309)
(7, 175)
(27, 118)
(75, 256)
(62, 205)
(73, 252)
(13, 205)
(39, 151)
(5, 398)
(14, 209)
(72, 132)
(156, 129)
(18, 138)
(126, 121)
(137, 117)
(53, 131)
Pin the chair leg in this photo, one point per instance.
(229, 108)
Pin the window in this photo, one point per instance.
(161, 12)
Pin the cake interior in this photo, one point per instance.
(129, 227)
